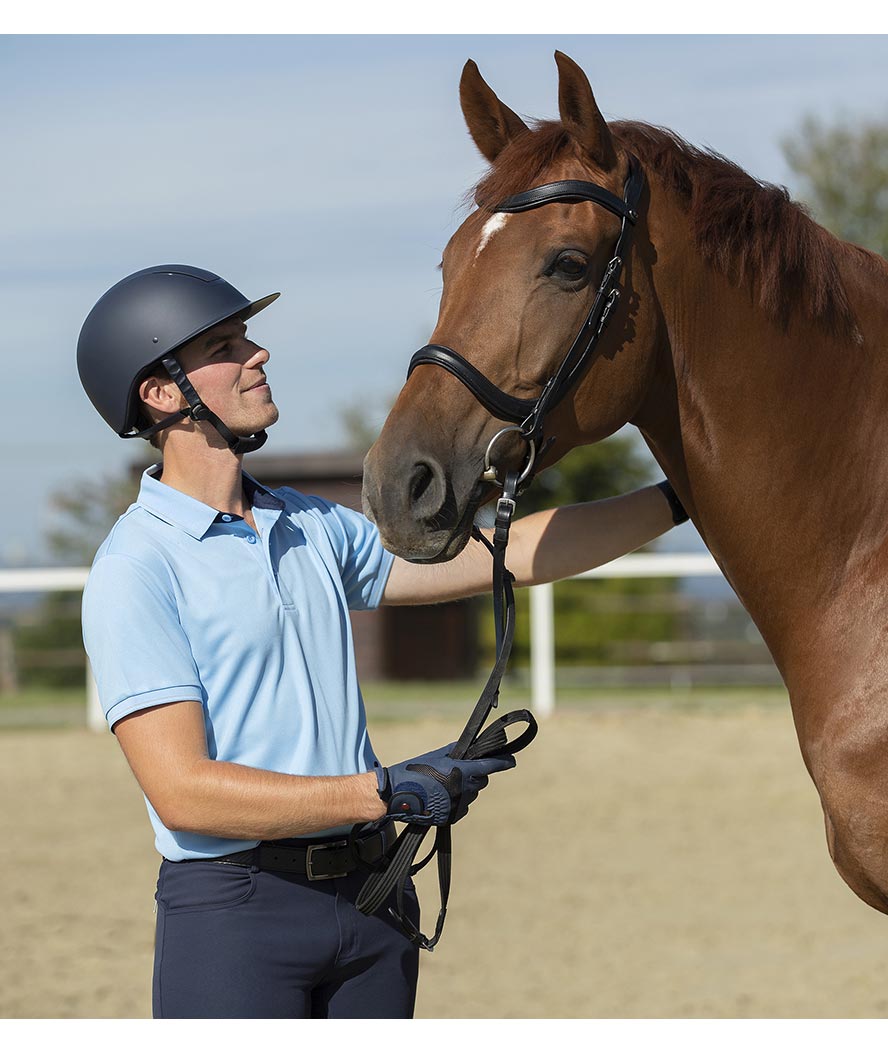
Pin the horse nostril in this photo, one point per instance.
(428, 490)
(420, 481)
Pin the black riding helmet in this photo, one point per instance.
(140, 323)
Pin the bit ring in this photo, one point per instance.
(489, 474)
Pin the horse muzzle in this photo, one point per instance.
(424, 512)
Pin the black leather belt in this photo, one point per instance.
(318, 860)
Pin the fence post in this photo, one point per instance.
(9, 683)
(95, 717)
(542, 649)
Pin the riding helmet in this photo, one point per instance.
(142, 319)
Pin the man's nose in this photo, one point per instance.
(258, 356)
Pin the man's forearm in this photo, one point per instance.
(220, 799)
(559, 543)
(545, 546)
(166, 747)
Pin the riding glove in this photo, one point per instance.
(435, 789)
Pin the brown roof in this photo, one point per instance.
(332, 464)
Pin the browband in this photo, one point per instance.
(571, 191)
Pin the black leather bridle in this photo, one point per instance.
(527, 416)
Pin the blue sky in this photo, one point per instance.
(330, 168)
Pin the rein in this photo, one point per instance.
(474, 741)
(527, 418)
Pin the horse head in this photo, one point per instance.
(518, 286)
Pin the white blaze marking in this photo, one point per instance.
(494, 224)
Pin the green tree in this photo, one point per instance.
(86, 510)
(596, 620)
(589, 473)
(843, 176)
(48, 642)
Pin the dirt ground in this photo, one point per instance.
(637, 864)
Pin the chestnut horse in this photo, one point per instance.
(750, 349)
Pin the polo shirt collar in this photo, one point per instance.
(260, 496)
(187, 513)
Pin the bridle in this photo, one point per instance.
(527, 417)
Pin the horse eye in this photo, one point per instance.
(570, 264)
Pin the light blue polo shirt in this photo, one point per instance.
(184, 603)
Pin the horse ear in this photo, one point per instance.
(580, 115)
(491, 123)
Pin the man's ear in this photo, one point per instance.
(160, 393)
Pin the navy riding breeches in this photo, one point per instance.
(236, 941)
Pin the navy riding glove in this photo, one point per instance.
(435, 789)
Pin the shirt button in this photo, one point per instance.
(251, 538)
(226, 518)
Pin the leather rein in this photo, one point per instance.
(474, 741)
(527, 418)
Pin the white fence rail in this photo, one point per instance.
(542, 612)
(58, 579)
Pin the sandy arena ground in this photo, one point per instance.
(638, 864)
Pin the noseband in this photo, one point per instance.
(527, 415)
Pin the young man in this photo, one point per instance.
(215, 619)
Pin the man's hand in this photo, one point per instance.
(435, 789)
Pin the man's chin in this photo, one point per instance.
(260, 423)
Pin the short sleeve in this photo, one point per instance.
(138, 651)
(363, 563)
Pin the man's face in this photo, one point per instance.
(228, 373)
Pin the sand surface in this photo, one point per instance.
(637, 864)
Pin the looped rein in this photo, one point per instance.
(475, 741)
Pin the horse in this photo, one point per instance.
(749, 347)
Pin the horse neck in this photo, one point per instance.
(773, 436)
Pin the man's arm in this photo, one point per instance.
(545, 546)
(166, 747)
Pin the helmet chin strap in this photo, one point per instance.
(196, 410)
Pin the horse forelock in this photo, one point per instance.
(521, 163)
(751, 231)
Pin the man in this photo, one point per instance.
(215, 618)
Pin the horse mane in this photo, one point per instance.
(750, 231)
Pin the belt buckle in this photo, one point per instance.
(309, 854)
